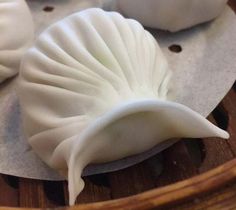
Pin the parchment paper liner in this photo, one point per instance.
(202, 74)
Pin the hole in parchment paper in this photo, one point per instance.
(175, 48)
(48, 8)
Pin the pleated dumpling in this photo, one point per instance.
(94, 89)
(171, 15)
(16, 35)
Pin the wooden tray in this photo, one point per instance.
(195, 174)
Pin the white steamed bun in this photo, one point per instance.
(171, 15)
(16, 35)
(93, 89)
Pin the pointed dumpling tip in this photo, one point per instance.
(75, 182)
(223, 134)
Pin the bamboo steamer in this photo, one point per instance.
(203, 178)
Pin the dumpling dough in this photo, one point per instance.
(171, 15)
(94, 89)
(16, 35)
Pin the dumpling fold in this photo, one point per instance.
(94, 89)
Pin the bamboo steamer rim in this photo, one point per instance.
(164, 196)
(174, 193)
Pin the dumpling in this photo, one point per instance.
(171, 15)
(94, 89)
(16, 35)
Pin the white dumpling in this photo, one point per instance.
(94, 89)
(16, 35)
(171, 15)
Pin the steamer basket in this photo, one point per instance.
(195, 174)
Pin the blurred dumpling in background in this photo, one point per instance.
(16, 35)
(171, 15)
